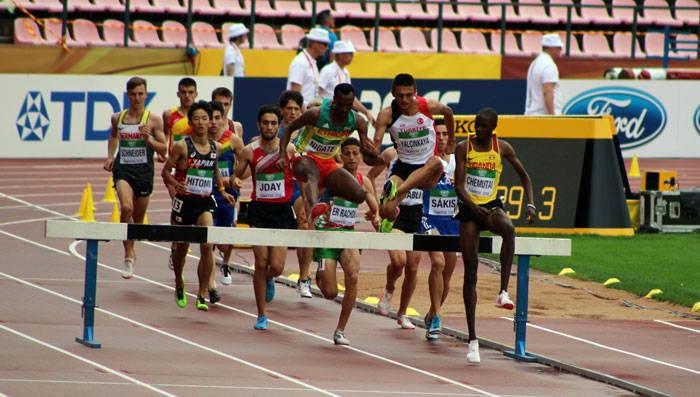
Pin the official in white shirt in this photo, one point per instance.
(303, 73)
(543, 91)
(234, 64)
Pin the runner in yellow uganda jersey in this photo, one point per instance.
(477, 174)
(313, 163)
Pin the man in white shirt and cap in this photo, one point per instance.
(303, 73)
(336, 73)
(543, 91)
(234, 64)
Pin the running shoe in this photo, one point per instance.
(317, 210)
(386, 226)
(304, 288)
(171, 266)
(128, 271)
(473, 352)
(388, 191)
(384, 304)
(214, 296)
(180, 297)
(339, 338)
(270, 290)
(225, 275)
(503, 301)
(405, 322)
(427, 320)
(434, 330)
(201, 304)
(260, 323)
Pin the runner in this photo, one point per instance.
(341, 215)
(137, 133)
(269, 206)
(195, 159)
(477, 174)
(224, 96)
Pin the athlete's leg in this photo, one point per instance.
(450, 262)
(305, 170)
(206, 256)
(435, 282)
(425, 177)
(409, 280)
(342, 184)
(499, 223)
(304, 254)
(350, 262)
(261, 254)
(326, 279)
(125, 195)
(469, 243)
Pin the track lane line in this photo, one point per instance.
(678, 326)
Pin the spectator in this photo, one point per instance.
(234, 64)
(303, 71)
(543, 91)
(326, 21)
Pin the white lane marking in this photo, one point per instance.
(33, 242)
(172, 336)
(609, 348)
(74, 251)
(85, 360)
(678, 326)
(38, 207)
(40, 186)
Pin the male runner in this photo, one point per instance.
(325, 129)
(341, 215)
(269, 206)
(224, 96)
(195, 159)
(409, 120)
(137, 133)
(477, 174)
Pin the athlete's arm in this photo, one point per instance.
(461, 180)
(237, 147)
(370, 153)
(178, 153)
(155, 130)
(219, 180)
(167, 113)
(359, 107)
(383, 122)
(243, 163)
(310, 117)
(436, 107)
(388, 155)
(372, 215)
(508, 152)
(112, 143)
(238, 129)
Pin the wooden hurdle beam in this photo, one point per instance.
(93, 232)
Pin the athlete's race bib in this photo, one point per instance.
(480, 182)
(269, 186)
(177, 205)
(442, 202)
(199, 181)
(323, 145)
(414, 141)
(223, 169)
(413, 197)
(132, 151)
(343, 212)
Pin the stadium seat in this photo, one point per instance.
(84, 5)
(622, 45)
(44, 5)
(357, 36)
(232, 7)
(266, 38)
(52, 33)
(174, 34)
(113, 34)
(293, 9)
(85, 31)
(626, 14)
(203, 7)
(689, 16)
(413, 40)
(654, 46)
(534, 11)
(263, 8)
(475, 43)
(558, 10)
(691, 43)
(386, 41)
(171, 6)
(291, 36)
(204, 36)
(414, 10)
(449, 42)
(27, 32)
(145, 6)
(387, 12)
(597, 13)
(511, 45)
(511, 15)
(531, 43)
(109, 5)
(596, 45)
(353, 10)
(448, 11)
(145, 33)
(574, 49)
(476, 13)
(661, 16)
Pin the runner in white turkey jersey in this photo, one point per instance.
(409, 119)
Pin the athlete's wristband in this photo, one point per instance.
(221, 189)
(532, 206)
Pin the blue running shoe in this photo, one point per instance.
(388, 191)
(261, 323)
(270, 290)
(434, 330)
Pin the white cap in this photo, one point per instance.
(552, 40)
(318, 34)
(237, 29)
(343, 47)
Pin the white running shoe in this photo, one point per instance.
(473, 352)
(225, 275)
(339, 338)
(503, 301)
(384, 304)
(128, 271)
(405, 322)
(304, 288)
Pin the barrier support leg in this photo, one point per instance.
(89, 298)
(521, 312)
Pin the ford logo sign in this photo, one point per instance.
(696, 119)
(639, 117)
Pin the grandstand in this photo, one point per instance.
(595, 28)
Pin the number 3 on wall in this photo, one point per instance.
(516, 195)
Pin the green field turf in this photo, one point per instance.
(669, 262)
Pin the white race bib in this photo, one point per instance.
(343, 212)
(199, 181)
(269, 186)
(132, 151)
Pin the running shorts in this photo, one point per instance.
(464, 214)
(186, 209)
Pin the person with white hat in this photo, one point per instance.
(234, 64)
(543, 92)
(336, 73)
(303, 72)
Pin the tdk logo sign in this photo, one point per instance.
(33, 119)
(639, 117)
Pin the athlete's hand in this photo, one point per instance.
(374, 219)
(109, 164)
(229, 198)
(282, 164)
(480, 211)
(236, 183)
(531, 215)
(451, 145)
(161, 158)
(181, 187)
(371, 119)
(145, 131)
